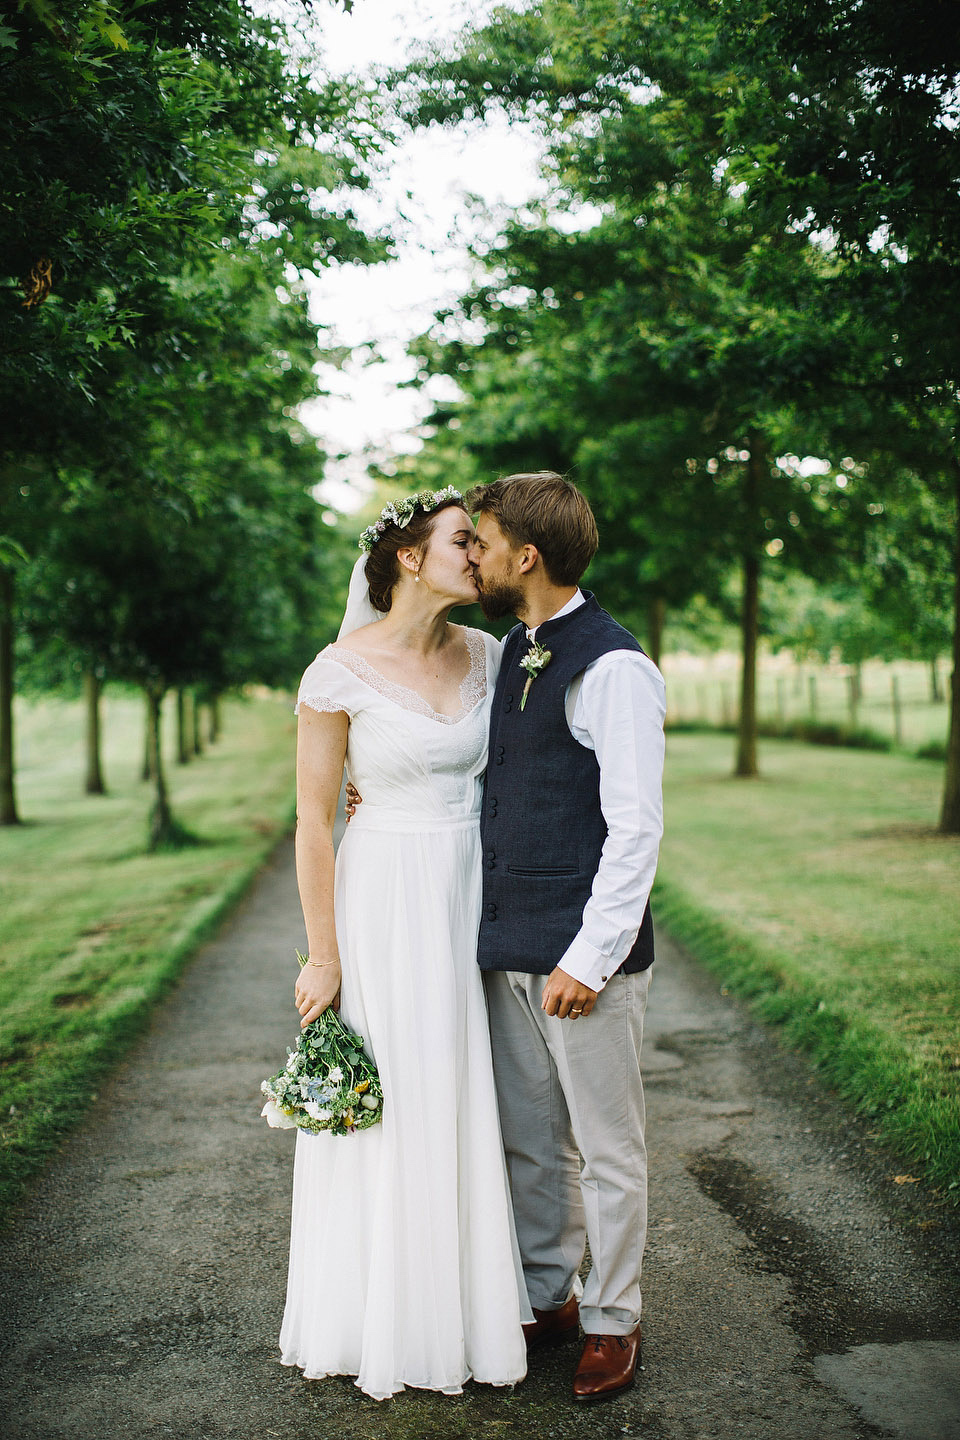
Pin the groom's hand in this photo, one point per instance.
(565, 997)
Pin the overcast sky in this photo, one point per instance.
(389, 304)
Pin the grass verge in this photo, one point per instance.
(92, 928)
(823, 894)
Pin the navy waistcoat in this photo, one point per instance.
(541, 826)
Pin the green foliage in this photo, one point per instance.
(169, 175)
(130, 175)
(742, 261)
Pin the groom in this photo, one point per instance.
(570, 830)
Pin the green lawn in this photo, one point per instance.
(823, 892)
(92, 928)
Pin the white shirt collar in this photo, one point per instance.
(573, 603)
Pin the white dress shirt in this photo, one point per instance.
(616, 708)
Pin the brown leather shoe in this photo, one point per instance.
(607, 1366)
(553, 1327)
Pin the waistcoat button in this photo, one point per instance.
(499, 758)
(491, 912)
(491, 859)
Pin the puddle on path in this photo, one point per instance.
(911, 1390)
(829, 1312)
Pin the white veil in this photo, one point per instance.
(359, 610)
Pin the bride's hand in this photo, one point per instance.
(353, 799)
(318, 986)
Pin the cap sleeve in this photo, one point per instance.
(327, 686)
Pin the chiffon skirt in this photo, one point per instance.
(404, 1267)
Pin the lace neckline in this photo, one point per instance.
(473, 687)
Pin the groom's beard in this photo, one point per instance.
(498, 599)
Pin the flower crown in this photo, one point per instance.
(401, 512)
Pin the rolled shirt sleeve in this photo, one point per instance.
(616, 708)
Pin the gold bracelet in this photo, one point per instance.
(321, 964)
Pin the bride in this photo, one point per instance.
(403, 1261)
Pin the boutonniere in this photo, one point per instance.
(535, 660)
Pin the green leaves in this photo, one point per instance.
(168, 175)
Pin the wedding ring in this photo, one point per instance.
(576, 1012)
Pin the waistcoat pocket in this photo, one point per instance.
(545, 870)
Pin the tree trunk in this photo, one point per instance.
(747, 729)
(746, 765)
(148, 771)
(93, 781)
(197, 739)
(8, 799)
(936, 694)
(162, 827)
(950, 812)
(656, 615)
(184, 727)
(214, 731)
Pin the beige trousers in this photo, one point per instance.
(572, 1115)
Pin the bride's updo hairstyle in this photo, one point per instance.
(388, 536)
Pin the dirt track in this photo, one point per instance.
(792, 1290)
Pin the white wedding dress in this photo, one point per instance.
(404, 1267)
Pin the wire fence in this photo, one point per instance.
(904, 701)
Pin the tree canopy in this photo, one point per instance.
(743, 259)
(169, 177)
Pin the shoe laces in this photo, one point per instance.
(600, 1342)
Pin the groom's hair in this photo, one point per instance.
(542, 509)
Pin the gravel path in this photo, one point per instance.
(793, 1291)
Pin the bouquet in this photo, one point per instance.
(328, 1083)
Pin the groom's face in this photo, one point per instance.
(495, 563)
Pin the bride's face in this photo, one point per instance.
(446, 564)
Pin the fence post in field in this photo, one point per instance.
(897, 709)
(853, 695)
(727, 712)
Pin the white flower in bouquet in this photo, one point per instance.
(278, 1119)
